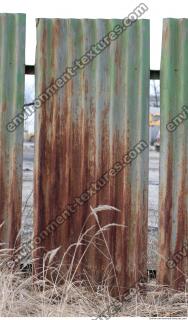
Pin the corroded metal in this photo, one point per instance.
(12, 68)
(173, 257)
(81, 132)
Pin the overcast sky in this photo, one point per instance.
(96, 9)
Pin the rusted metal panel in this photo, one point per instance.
(173, 260)
(12, 68)
(81, 132)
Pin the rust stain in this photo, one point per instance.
(81, 132)
(173, 263)
(12, 69)
(165, 223)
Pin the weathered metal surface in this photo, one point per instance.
(174, 155)
(12, 66)
(81, 132)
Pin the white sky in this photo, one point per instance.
(96, 9)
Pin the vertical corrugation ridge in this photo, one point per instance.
(12, 69)
(90, 146)
(103, 260)
(166, 148)
(77, 137)
(120, 147)
(16, 158)
(142, 163)
(173, 162)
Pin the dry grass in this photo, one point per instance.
(25, 295)
(20, 297)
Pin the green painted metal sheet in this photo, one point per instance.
(173, 258)
(12, 68)
(82, 131)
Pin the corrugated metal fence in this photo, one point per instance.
(173, 261)
(83, 132)
(12, 69)
(92, 146)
